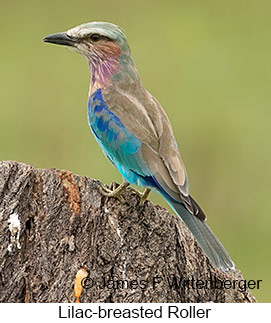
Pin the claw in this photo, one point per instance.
(116, 192)
(143, 196)
(104, 189)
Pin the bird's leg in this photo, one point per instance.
(116, 192)
(143, 196)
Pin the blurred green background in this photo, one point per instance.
(207, 62)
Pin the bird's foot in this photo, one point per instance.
(143, 196)
(115, 192)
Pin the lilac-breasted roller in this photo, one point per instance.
(134, 131)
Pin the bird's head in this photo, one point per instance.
(93, 39)
(103, 44)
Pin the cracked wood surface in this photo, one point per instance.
(67, 230)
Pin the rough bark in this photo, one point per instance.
(65, 225)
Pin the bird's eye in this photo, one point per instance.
(95, 37)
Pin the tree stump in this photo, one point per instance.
(56, 226)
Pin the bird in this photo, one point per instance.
(134, 131)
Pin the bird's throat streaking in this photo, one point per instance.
(102, 71)
(111, 70)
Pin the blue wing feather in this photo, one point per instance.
(120, 146)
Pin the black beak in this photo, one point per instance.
(60, 39)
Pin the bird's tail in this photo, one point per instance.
(207, 240)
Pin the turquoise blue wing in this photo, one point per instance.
(120, 146)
